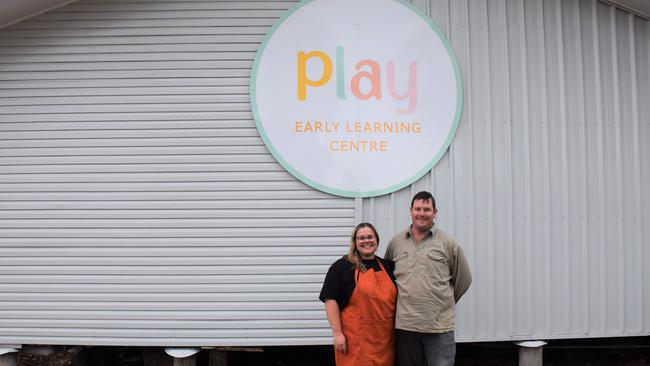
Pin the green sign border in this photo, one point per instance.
(339, 192)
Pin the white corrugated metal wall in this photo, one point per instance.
(138, 205)
(134, 183)
(546, 184)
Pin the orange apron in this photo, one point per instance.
(368, 321)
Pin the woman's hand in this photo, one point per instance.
(334, 317)
(340, 343)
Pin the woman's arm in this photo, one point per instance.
(334, 317)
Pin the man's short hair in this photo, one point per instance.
(424, 196)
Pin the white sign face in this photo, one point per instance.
(356, 98)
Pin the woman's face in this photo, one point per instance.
(366, 242)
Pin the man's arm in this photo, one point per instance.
(461, 275)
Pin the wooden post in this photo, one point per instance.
(530, 353)
(218, 358)
(183, 356)
(530, 356)
(8, 359)
(185, 361)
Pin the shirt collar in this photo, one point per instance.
(409, 232)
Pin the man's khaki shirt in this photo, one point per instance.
(431, 277)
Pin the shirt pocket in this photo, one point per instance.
(440, 277)
(401, 264)
(437, 266)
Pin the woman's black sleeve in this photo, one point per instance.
(333, 287)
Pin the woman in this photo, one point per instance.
(359, 293)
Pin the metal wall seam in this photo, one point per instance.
(476, 239)
(451, 163)
(636, 132)
(439, 11)
(465, 166)
(544, 273)
(644, 127)
(488, 212)
(473, 50)
(508, 269)
(525, 198)
(616, 124)
(563, 317)
(601, 176)
(583, 311)
(497, 104)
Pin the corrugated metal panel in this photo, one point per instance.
(546, 183)
(138, 204)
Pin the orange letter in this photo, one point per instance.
(302, 72)
(373, 77)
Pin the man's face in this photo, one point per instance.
(422, 215)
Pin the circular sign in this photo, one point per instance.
(356, 98)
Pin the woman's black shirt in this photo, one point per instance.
(339, 282)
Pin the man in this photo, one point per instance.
(432, 274)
